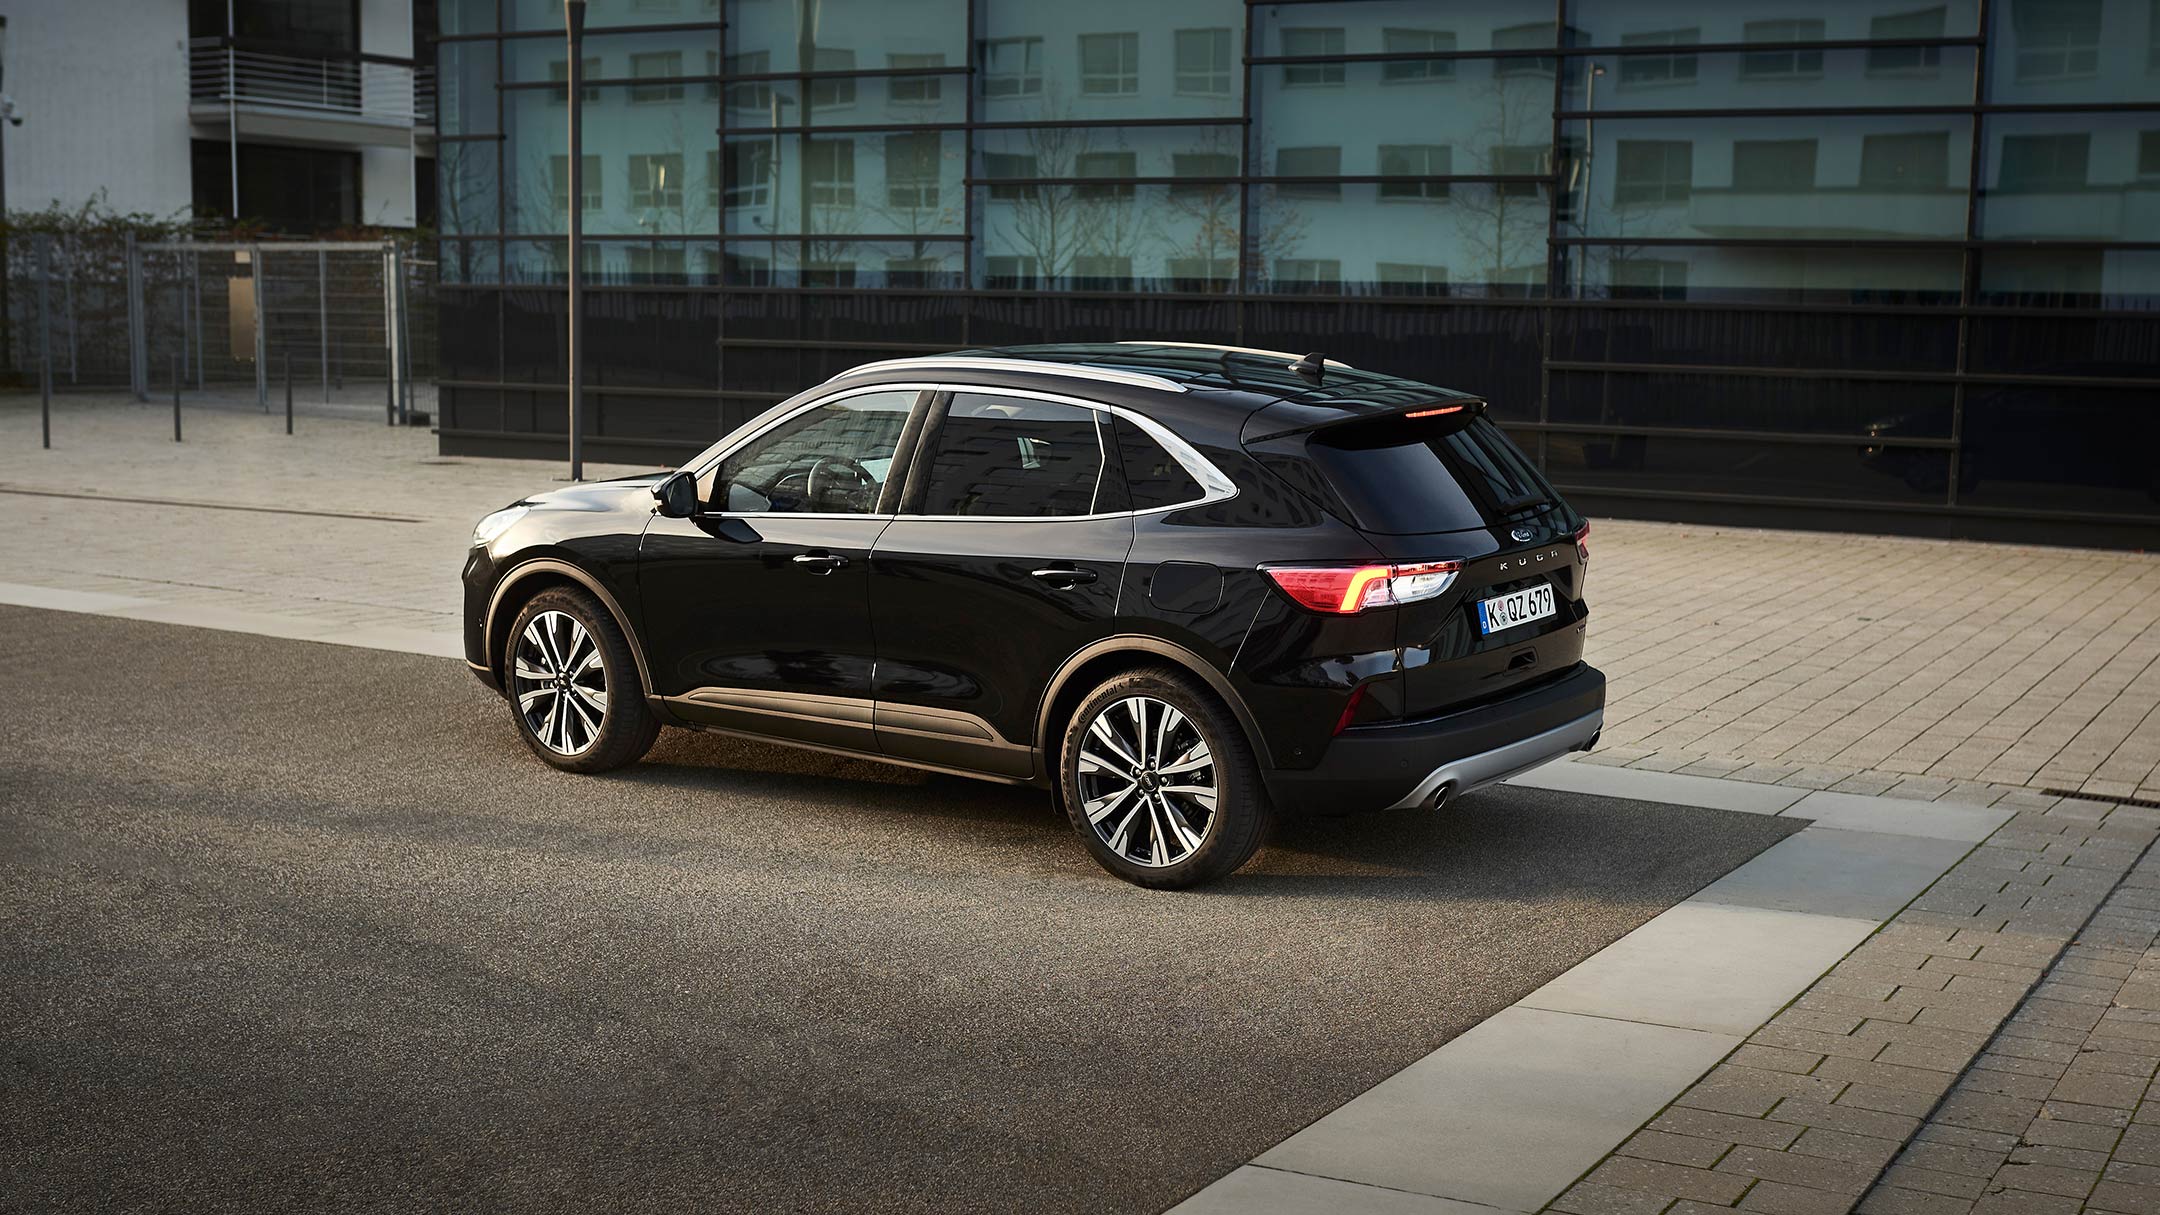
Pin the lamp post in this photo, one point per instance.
(8, 118)
(574, 22)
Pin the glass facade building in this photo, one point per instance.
(1880, 263)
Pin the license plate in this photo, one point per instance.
(1515, 607)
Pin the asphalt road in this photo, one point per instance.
(293, 926)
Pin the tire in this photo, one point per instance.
(561, 623)
(1143, 834)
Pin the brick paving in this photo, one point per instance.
(1912, 668)
(1986, 1050)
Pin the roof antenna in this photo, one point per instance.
(1310, 367)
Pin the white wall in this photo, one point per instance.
(102, 86)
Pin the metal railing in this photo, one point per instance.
(220, 74)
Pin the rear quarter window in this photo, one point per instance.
(1153, 477)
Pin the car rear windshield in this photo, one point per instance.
(1401, 477)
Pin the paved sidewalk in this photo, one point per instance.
(1865, 664)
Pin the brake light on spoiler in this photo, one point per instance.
(1346, 590)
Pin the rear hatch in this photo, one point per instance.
(1438, 481)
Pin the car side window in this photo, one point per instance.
(1014, 456)
(1153, 477)
(830, 460)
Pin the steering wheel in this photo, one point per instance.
(825, 479)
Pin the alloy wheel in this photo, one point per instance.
(560, 683)
(1147, 781)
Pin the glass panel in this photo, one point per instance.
(1860, 408)
(753, 105)
(648, 171)
(1153, 478)
(1001, 456)
(612, 56)
(1107, 152)
(470, 261)
(1477, 118)
(2072, 278)
(1109, 238)
(2051, 448)
(847, 264)
(1610, 22)
(1473, 239)
(465, 89)
(843, 35)
(548, 14)
(1748, 274)
(467, 198)
(2072, 50)
(1743, 467)
(547, 261)
(656, 339)
(1909, 340)
(903, 182)
(1368, 27)
(830, 460)
(761, 264)
(1888, 177)
(2092, 348)
(2070, 176)
(1901, 76)
(882, 101)
(465, 16)
(1038, 64)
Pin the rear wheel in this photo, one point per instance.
(1160, 782)
(574, 687)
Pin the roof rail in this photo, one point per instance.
(938, 362)
(1275, 354)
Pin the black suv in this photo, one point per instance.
(1186, 587)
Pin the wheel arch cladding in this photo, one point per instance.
(527, 581)
(1085, 671)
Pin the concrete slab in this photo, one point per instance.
(1641, 786)
(1837, 873)
(52, 599)
(1705, 966)
(1898, 816)
(1510, 1113)
(1259, 1191)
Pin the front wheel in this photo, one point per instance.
(1160, 782)
(574, 685)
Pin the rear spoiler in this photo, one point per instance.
(1290, 417)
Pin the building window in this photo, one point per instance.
(1200, 275)
(1415, 160)
(1102, 272)
(746, 270)
(1648, 278)
(830, 164)
(1203, 62)
(1773, 166)
(1011, 165)
(1416, 42)
(1907, 60)
(656, 65)
(1105, 164)
(1902, 163)
(1653, 171)
(1521, 160)
(830, 271)
(1109, 65)
(1314, 274)
(2044, 163)
(588, 184)
(656, 181)
(1312, 40)
(832, 94)
(1012, 67)
(915, 90)
(1786, 64)
(749, 175)
(1411, 278)
(664, 264)
(753, 96)
(1523, 37)
(1651, 71)
(559, 72)
(1309, 162)
(1011, 272)
(1202, 165)
(2056, 39)
(911, 170)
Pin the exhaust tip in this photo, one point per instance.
(1439, 798)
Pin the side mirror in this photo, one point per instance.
(677, 496)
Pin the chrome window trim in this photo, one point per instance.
(938, 362)
(1273, 354)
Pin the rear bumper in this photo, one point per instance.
(1407, 764)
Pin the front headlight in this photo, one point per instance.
(498, 523)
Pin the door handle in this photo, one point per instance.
(818, 562)
(1065, 577)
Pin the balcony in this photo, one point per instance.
(341, 101)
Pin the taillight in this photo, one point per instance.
(1582, 543)
(1346, 590)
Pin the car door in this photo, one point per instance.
(1006, 557)
(757, 612)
